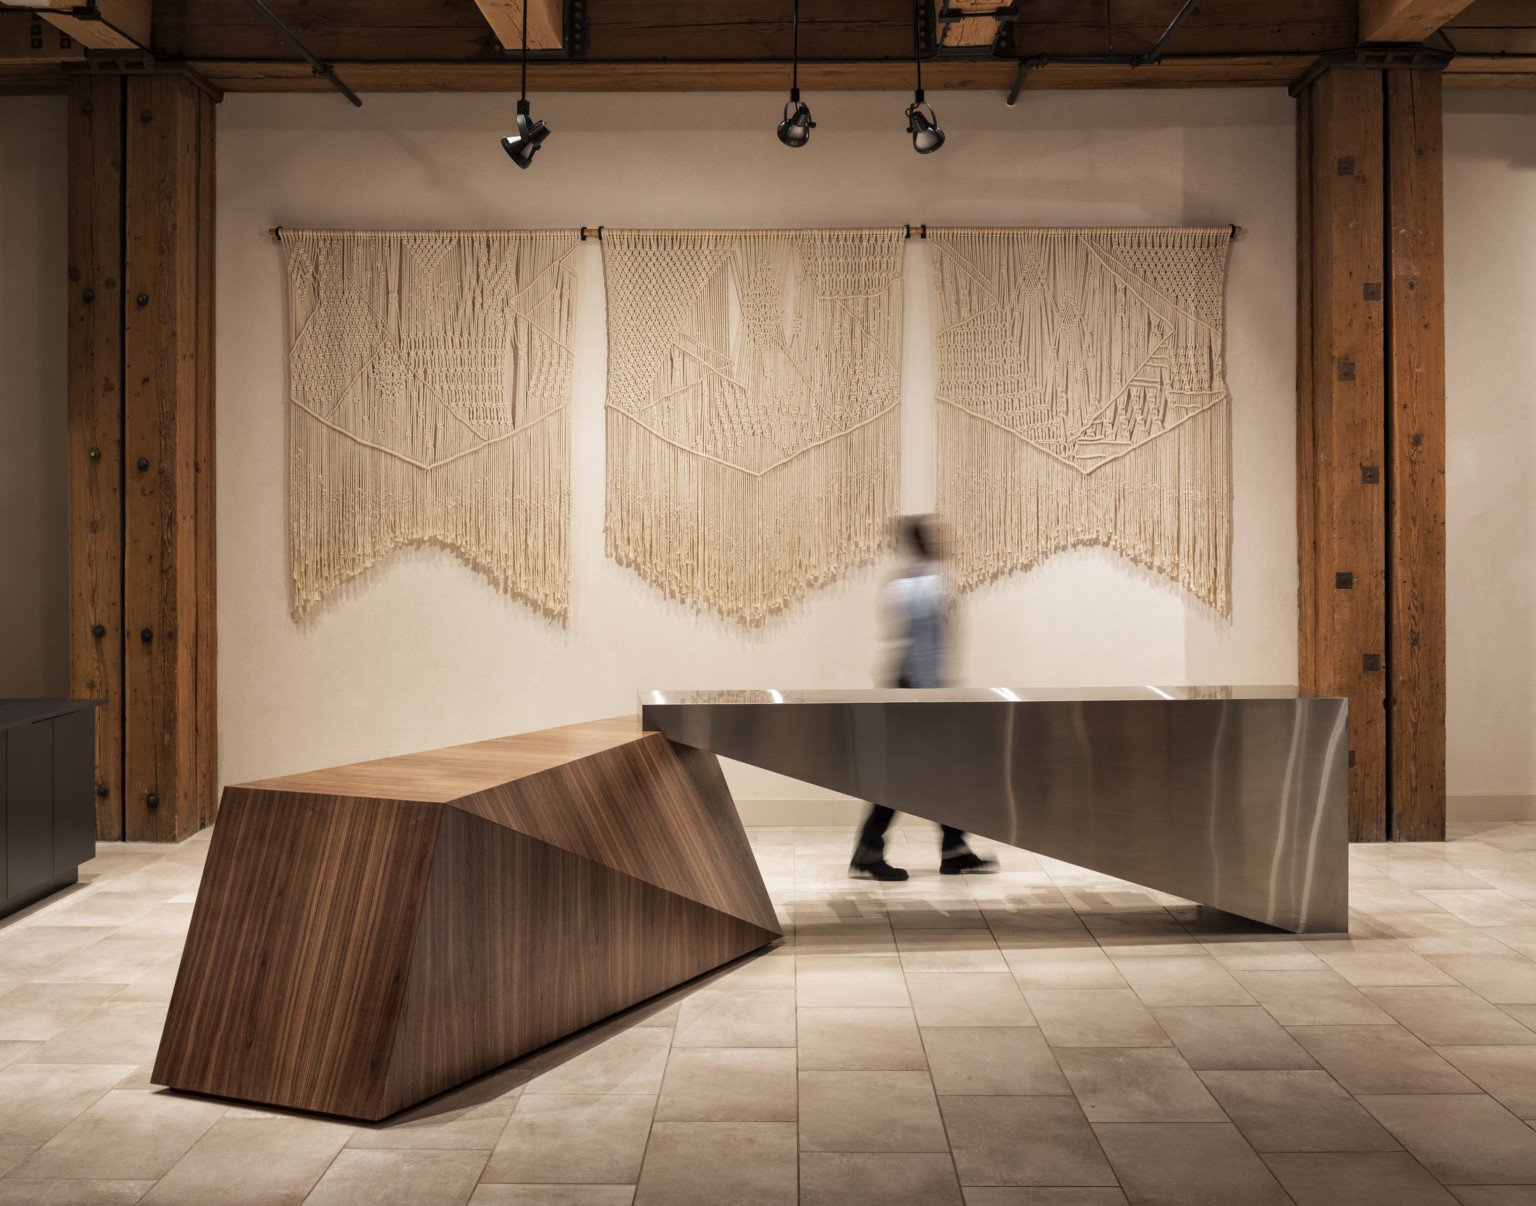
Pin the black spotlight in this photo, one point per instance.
(530, 134)
(923, 126)
(921, 122)
(795, 129)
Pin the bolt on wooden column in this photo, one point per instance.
(1370, 377)
(159, 748)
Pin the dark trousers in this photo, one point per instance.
(872, 836)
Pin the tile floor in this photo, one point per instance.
(1040, 1037)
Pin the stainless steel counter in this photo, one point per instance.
(1234, 797)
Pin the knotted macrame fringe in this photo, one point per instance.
(1081, 400)
(430, 386)
(753, 428)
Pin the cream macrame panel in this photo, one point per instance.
(430, 388)
(1081, 400)
(753, 385)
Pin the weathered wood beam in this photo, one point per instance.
(1415, 469)
(123, 25)
(26, 38)
(1405, 20)
(95, 424)
(166, 559)
(546, 22)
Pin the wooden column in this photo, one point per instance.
(95, 390)
(1370, 380)
(1416, 458)
(160, 741)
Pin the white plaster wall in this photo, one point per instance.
(1490, 303)
(422, 652)
(34, 611)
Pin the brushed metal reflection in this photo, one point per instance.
(1235, 797)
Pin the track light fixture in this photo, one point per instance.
(795, 129)
(530, 134)
(921, 122)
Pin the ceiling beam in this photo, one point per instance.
(546, 22)
(122, 24)
(1405, 20)
(24, 39)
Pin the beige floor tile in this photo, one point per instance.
(865, 937)
(1516, 879)
(1507, 1074)
(12, 1154)
(1380, 1059)
(1494, 1195)
(869, 1112)
(1311, 998)
(1129, 935)
(1463, 1139)
(1296, 1111)
(1357, 1179)
(1230, 1037)
(1377, 962)
(1465, 941)
(399, 1178)
(854, 1039)
(126, 1135)
(1445, 1017)
(709, 1163)
(878, 1179)
(39, 1100)
(461, 1129)
(117, 1032)
(1012, 1060)
(552, 1195)
(1188, 1164)
(1058, 1195)
(115, 960)
(981, 999)
(1060, 964)
(163, 921)
(1486, 907)
(34, 949)
(72, 1193)
(1519, 938)
(907, 916)
(1023, 1141)
(1056, 924)
(1506, 979)
(723, 1084)
(1094, 1017)
(14, 1051)
(1137, 1084)
(1182, 980)
(37, 1012)
(583, 1140)
(835, 981)
(949, 951)
(737, 1017)
(1434, 873)
(631, 1061)
(1386, 895)
(272, 1161)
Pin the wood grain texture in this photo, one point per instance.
(1405, 20)
(205, 498)
(1346, 404)
(95, 423)
(163, 330)
(355, 953)
(1416, 468)
(546, 22)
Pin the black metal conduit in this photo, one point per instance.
(323, 70)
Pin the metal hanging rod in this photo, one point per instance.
(323, 70)
(913, 231)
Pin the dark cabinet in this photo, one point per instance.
(47, 796)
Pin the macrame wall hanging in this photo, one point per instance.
(753, 385)
(430, 386)
(1081, 400)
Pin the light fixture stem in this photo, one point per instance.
(525, 50)
(794, 78)
(917, 43)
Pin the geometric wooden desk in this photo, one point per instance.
(369, 936)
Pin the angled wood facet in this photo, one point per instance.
(368, 936)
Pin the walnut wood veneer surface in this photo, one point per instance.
(368, 936)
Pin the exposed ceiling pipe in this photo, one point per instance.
(323, 70)
(1107, 60)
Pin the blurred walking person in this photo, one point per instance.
(918, 604)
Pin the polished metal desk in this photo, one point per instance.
(1234, 797)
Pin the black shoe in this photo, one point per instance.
(965, 862)
(875, 868)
